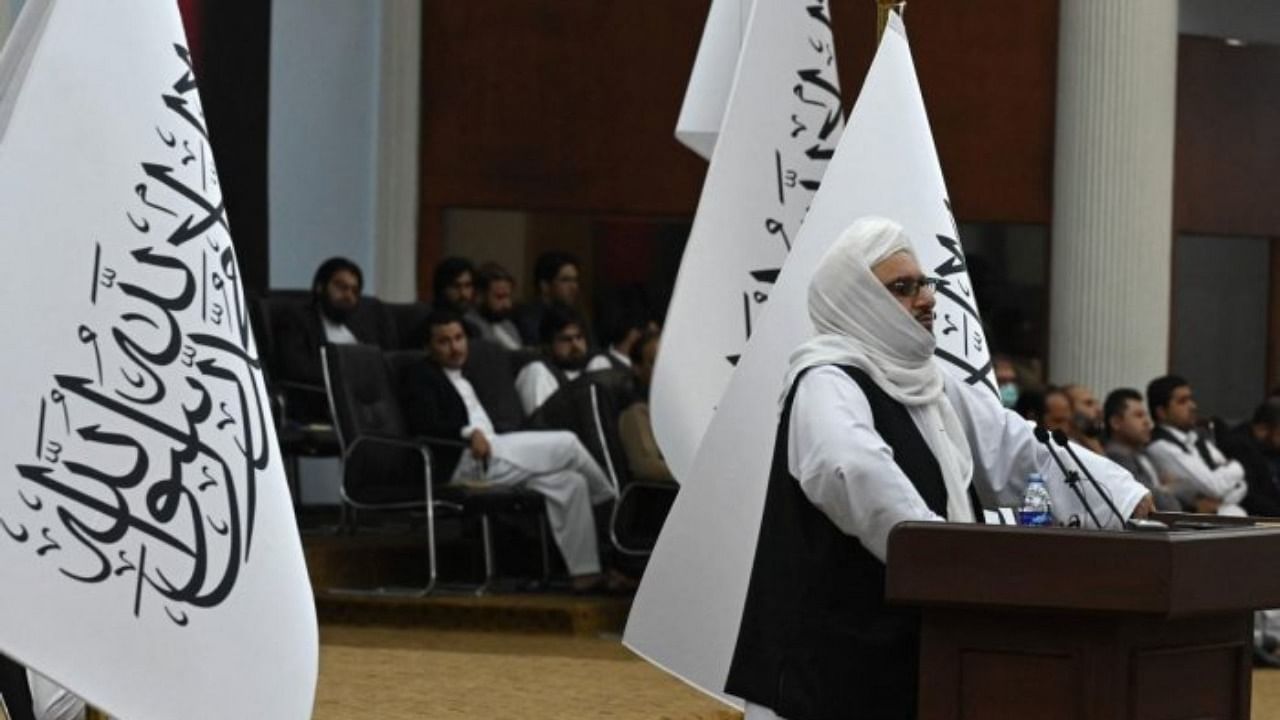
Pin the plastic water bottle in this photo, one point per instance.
(1035, 503)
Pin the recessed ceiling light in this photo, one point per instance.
(1235, 42)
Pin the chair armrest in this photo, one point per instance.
(417, 444)
(443, 442)
(295, 385)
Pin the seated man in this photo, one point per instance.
(495, 290)
(1256, 445)
(1050, 408)
(634, 427)
(1086, 423)
(556, 279)
(442, 403)
(1006, 380)
(453, 285)
(1199, 474)
(563, 358)
(1128, 434)
(620, 328)
(334, 316)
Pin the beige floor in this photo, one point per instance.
(403, 674)
(413, 673)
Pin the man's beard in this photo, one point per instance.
(576, 363)
(1088, 428)
(334, 313)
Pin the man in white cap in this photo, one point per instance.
(873, 433)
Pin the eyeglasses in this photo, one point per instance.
(909, 288)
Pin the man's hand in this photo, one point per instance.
(1207, 505)
(480, 449)
(1145, 507)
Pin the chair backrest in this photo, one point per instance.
(488, 368)
(361, 394)
(589, 410)
(365, 402)
(410, 323)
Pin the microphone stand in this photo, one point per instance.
(1060, 438)
(1071, 476)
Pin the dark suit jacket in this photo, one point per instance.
(1263, 497)
(299, 338)
(1123, 456)
(528, 320)
(434, 409)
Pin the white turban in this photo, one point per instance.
(860, 323)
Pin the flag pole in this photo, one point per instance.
(883, 8)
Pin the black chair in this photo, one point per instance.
(489, 370)
(589, 407)
(410, 323)
(385, 469)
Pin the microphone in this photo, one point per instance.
(1060, 438)
(1071, 476)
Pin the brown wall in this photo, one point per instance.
(1228, 138)
(570, 105)
(988, 72)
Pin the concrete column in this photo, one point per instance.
(1113, 192)
(395, 237)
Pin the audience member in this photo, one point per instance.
(1057, 410)
(1007, 381)
(453, 285)
(1128, 434)
(1086, 424)
(334, 317)
(634, 427)
(555, 276)
(443, 403)
(620, 329)
(1256, 445)
(1199, 474)
(562, 358)
(495, 298)
(1030, 405)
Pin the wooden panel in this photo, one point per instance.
(1019, 684)
(1099, 666)
(1208, 680)
(1228, 148)
(1273, 321)
(570, 105)
(558, 104)
(988, 72)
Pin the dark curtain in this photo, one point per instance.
(230, 42)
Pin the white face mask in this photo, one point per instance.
(1009, 394)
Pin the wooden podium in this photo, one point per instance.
(1088, 625)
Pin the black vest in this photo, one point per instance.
(1201, 444)
(817, 640)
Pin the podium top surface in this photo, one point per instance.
(1169, 574)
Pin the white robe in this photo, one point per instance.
(1190, 476)
(847, 470)
(336, 333)
(552, 463)
(535, 383)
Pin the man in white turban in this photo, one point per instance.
(873, 432)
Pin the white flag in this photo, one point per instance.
(151, 559)
(686, 614)
(781, 125)
(707, 95)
